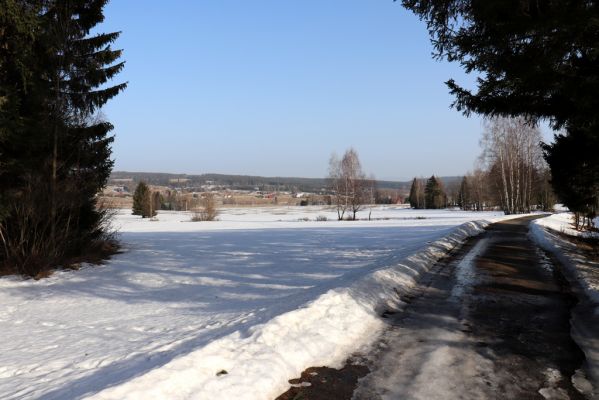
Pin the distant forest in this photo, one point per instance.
(246, 182)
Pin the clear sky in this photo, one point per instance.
(273, 87)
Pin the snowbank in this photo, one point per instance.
(323, 332)
(546, 231)
(583, 275)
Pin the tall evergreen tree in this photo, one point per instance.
(18, 27)
(575, 166)
(533, 58)
(144, 201)
(55, 138)
(434, 194)
(139, 197)
(417, 194)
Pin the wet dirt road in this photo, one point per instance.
(492, 321)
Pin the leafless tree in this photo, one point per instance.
(337, 186)
(155, 202)
(348, 184)
(370, 192)
(512, 154)
(452, 189)
(208, 210)
(478, 182)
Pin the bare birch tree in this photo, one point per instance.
(348, 184)
(478, 182)
(512, 154)
(337, 186)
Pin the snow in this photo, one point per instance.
(466, 272)
(427, 354)
(583, 275)
(261, 294)
(546, 233)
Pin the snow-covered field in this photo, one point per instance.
(224, 309)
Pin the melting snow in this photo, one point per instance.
(258, 294)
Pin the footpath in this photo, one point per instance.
(492, 321)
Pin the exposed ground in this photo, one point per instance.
(492, 321)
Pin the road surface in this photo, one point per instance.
(492, 321)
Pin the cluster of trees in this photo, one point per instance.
(473, 194)
(176, 201)
(515, 169)
(146, 203)
(54, 143)
(483, 190)
(428, 194)
(349, 185)
(535, 59)
(513, 175)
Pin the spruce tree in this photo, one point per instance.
(536, 58)
(416, 194)
(144, 201)
(533, 58)
(434, 194)
(139, 198)
(19, 25)
(575, 176)
(53, 137)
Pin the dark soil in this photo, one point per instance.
(326, 383)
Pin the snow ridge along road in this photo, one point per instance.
(261, 294)
(583, 275)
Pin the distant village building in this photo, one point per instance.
(179, 180)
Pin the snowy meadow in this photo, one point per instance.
(234, 306)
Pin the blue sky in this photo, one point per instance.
(273, 87)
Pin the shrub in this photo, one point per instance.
(208, 211)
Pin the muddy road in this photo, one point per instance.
(492, 321)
